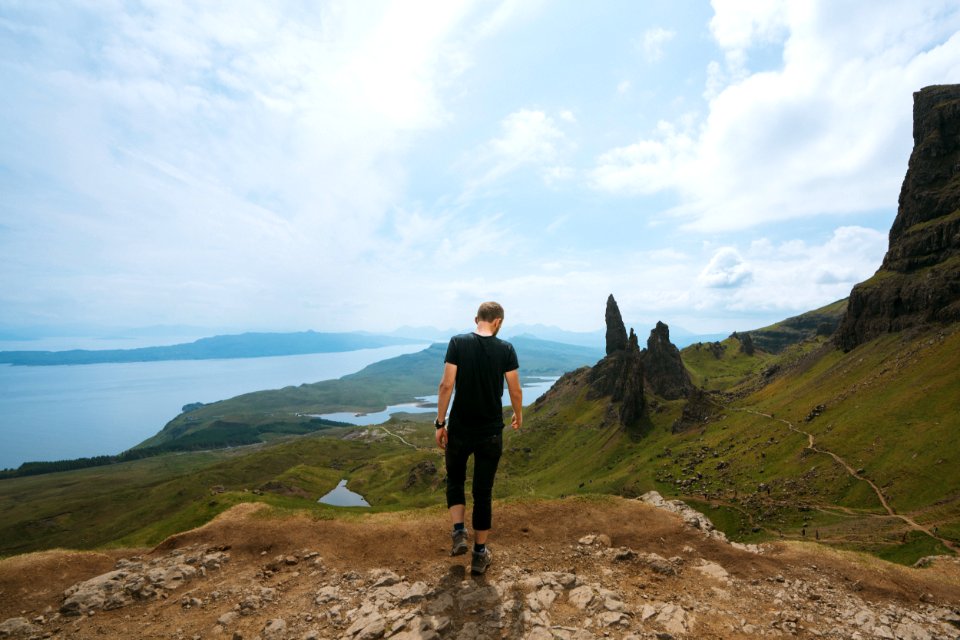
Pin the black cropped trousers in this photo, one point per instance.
(486, 451)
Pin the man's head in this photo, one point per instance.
(492, 313)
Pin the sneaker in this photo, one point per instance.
(459, 542)
(481, 560)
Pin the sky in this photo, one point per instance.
(279, 166)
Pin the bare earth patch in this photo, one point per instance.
(569, 569)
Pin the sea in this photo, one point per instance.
(64, 412)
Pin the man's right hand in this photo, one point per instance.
(516, 422)
(442, 437)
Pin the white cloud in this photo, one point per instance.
(726, 269)
(217, 161)
(647, 166)
(652, 43)
(529, 138)
(508, 12)
(792, 276)
(623, 87)
(826, 133)
(721, 288)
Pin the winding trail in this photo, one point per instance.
(400, 438)
(812, 445)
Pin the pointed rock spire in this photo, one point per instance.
(663, 367)
(616, 330)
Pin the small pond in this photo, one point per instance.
(343, 497)
(533, 388)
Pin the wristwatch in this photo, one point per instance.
(439, 425)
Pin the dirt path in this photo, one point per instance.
(400, 438)
(812, 445)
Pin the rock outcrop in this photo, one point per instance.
(663, 367)
(626, 370)
(746, 342)
(616, 331)
(919, 281)
(633, 569)
(135, 579)
(619, 376)
(697, 411)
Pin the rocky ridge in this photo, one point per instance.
(626, 371)
(584, 588)
(919, 281)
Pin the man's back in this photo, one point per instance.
(481, 364)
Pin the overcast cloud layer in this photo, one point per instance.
(343, 165)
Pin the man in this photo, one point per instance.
(475, 366)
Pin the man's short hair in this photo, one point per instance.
(489, 311)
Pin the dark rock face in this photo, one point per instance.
(698, 410)
(620, 376)
(746, 342)
(425, 470)
(616, 331)
(919, 281)
(662, 366)
(626, 371)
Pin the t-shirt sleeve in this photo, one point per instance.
(512, 364)
(453, 354)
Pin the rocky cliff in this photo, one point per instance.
(616, 331)
(619, 376)
(919, 281)
(626, 371)
(663, 368)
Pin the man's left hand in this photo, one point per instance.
(442, 437)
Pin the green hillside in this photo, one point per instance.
(393, 381)
(819, 322)
(719, 366)
(749, 467)
(142, 502)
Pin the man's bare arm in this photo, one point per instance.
(444, 392)
(516, 397)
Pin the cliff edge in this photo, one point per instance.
(919, 281)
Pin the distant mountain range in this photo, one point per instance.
(245, 345)
(263, 344)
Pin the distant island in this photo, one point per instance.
(244, 345)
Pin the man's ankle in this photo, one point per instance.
(459, 526)
(479, 548)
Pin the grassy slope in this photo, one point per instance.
(142, 502)
(393, 381)
(726, 371)
(878, 415)
(892, 407)
(778, 336)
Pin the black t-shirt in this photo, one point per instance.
(481, 363)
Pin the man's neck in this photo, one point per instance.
(485, 329)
